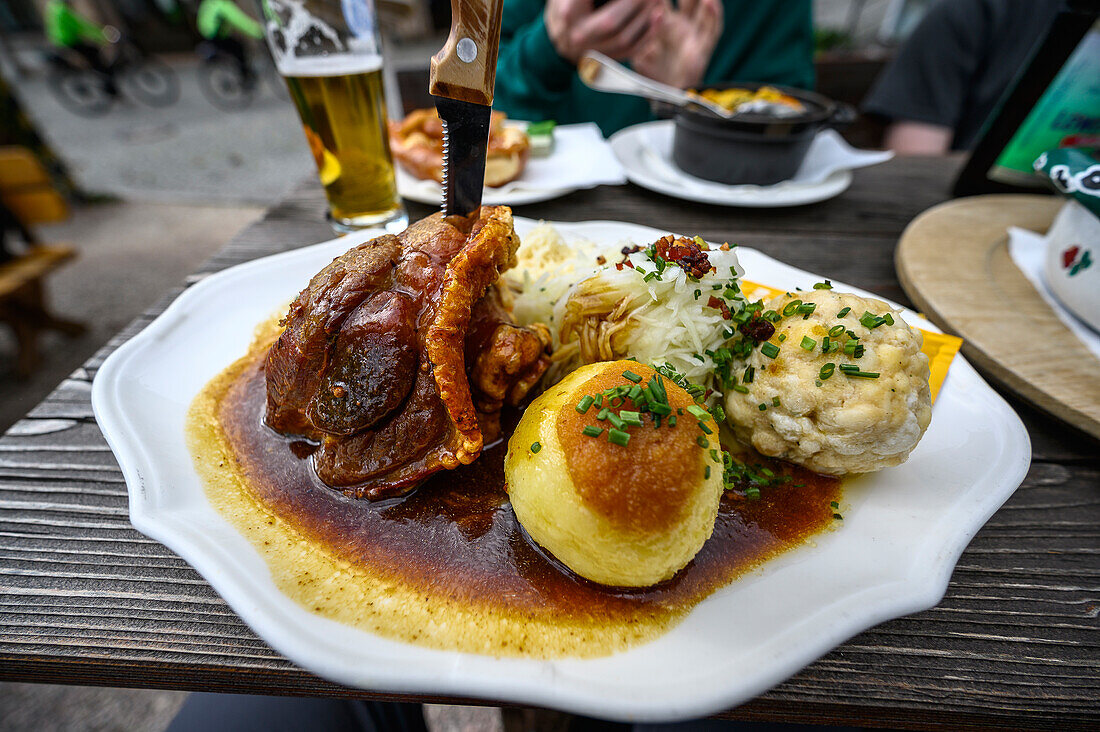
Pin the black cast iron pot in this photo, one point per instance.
(754, 148)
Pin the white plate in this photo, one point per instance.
(581, 158)
(645, 152)
(903, 528)
(431, 193)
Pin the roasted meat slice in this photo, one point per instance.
(399, 355)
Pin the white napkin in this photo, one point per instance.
(828, 153)
(581, 159)
(1028, 251)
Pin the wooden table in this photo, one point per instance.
(85, 599)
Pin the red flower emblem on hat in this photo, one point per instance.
(1069, 256)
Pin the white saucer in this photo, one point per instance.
(430, 192)
(645, 152)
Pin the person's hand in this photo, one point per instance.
(680, 44)
(617, 29)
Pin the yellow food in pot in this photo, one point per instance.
(626, 515)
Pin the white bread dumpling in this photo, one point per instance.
(834, 421)
(628, 516)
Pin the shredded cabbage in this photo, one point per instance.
(650, 309)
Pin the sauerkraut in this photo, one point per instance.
(662, 303)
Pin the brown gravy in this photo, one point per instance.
(456, 542)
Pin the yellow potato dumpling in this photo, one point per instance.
(626, 515)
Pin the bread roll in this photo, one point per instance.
(417, 144)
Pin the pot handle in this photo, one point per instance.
(843, 115)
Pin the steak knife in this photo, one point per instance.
(462, 77)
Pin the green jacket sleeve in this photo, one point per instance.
(64, 27)
(533, 81)
(240, 20)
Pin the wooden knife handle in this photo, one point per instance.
(466, 67)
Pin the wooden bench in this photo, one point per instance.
(27, 191)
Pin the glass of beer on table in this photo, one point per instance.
(329, 52)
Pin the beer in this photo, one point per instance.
(343, 112)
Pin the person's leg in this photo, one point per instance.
(240, 54)
(94, 58)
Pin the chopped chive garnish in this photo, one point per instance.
(592, 430)
(706, 473)
(752, 494)
(806, 308)
(836, 331)
(863, 374)
(599, 400)
(749, 375)
(808, 344)
(888, 318)
(740, 389)
(706, 430)
(536, 446)
(585, 403)
(843, 312)
(698, 412)
(762, 407)
(629, 417)
(826, 371)
(775, 401)
(834, 504)
(769, 349)
(634, 393)
(702, 442)
(630, 375)
(603, 414)
(782, 337)
(838, 517)
(826, 285)
(615, 420)
(697, 294)
(618, 437)
(826, 344)
(671, 420)
(791, 308)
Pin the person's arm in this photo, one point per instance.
(533, 80)
(240, 20)
(906, 137)
(540, 44)
(923, 90)
(86, 29)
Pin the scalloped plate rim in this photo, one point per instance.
(558, 683)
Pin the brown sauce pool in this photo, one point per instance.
(448, 565)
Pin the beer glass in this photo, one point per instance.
(329, 53)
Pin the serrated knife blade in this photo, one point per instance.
(463, 74)
(465, 138)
